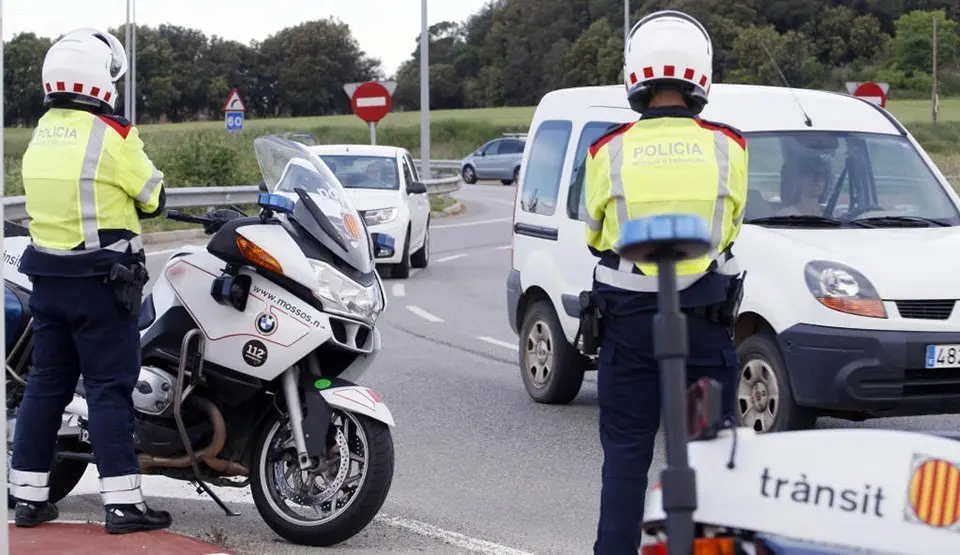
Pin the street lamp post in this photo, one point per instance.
(424, 94)
(133, 63)
(4, 534)
(626, 23)
(130, 79)
(126, 79)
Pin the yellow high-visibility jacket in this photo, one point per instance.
(87, 182)
(670, 163)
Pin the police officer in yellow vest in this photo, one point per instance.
(668, 161)
(88, 182)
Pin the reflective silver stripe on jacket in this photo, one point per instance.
(88, 187)
(88, 200)
(628, 276)
(124, 245)
(150, 186)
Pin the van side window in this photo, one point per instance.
(541, 177)
(576, 200)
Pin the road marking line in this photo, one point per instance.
(423, 313)
(465, 224)
(453, 538)
(398, 290)
(505, 247)
(499, 343)
(452, 257)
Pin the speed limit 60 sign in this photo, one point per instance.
(234, 121)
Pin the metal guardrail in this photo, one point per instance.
(15, 208)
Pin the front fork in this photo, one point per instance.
(291, 394)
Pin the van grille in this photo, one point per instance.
(926, 309)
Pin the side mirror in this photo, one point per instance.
(482, 153)
(263, 187)
(416, 188)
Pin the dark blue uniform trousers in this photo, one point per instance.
(628, 385)
(79, 328)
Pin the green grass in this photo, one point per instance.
(203, 153)
(439, 202)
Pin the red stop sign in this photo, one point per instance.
(371, 102)
(872, 92)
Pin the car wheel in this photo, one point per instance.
(516, 175)
(421, 258)
(506, 181)
(402, 270)
(469, 175)
(551, 368)
(764, 398)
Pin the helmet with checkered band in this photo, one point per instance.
(83, 66)
(670, 49)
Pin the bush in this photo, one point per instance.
(200, 158)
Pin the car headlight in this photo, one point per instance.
(381, 216)
(841, 288)
(342, 295)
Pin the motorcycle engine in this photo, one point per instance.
(153, 394)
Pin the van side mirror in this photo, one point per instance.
(263, 187)
(416, 188)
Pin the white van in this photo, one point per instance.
(840, 318)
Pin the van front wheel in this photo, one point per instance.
(764, 397)
(551, 368)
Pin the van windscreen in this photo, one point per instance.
(880, 179)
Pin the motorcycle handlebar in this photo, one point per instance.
(179, 216)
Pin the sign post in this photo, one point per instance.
(371, 102)
(4, 423)
(233, 110)
(870, 91)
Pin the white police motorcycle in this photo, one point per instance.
(251, 348)
(732, 491)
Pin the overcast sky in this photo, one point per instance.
(386, 29)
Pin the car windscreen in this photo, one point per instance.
(364, 172)
(809, 178)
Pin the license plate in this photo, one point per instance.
(943, 356)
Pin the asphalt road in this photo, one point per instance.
(480, 467)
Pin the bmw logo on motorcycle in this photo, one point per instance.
(266, 323)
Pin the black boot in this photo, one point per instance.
(32, 513)
(123, 519)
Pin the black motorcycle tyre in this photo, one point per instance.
(373, 492)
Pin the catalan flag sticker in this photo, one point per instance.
(934, 494)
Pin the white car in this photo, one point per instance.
(383, 183)
(850, 313)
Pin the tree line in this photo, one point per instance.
(511, 52)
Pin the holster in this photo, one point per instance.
(725, 312)
(128, 282)
(731, 307)
(589, 324)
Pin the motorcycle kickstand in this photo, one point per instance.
(202, 488)
(179, 396)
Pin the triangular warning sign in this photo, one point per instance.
(233, 103)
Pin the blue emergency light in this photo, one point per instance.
(276, 203)
(642, 239)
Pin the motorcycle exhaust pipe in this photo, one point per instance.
(208, 454)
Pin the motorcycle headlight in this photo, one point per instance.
(342, 295)
(841, 288)
(381, 216)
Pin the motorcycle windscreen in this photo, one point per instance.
(322, 207)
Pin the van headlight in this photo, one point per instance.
(344, 296)
(839, 287)
(381, 216)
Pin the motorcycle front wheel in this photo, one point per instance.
(337, 499)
